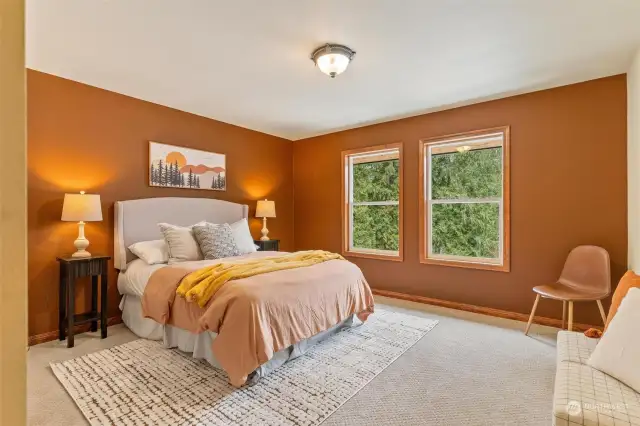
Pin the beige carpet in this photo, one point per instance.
(472, 370)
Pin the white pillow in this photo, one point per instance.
(618, 352)
(152, 252)
(242, 236)
(181, 242)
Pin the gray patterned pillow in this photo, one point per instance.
(216, 241)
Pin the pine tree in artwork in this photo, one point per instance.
(223, 182)
(197, 181)
(176, 174)
(152, 175)
(213, 182)
(165, 175)
(160, 173)
(190, 181)
(181, 180)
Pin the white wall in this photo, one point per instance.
(633, 162)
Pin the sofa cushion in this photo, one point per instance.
(618, 353)
(628, 281)
(574, 347)
(586, 396)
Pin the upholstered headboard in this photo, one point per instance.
(137, 220)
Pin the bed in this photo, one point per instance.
(136, 221)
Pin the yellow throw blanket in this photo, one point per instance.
(200, 286)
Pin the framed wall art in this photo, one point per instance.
(178, 167)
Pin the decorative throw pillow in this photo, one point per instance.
(242, 236)
(618, 352)
(628, 281)
(181, 243)
(216, 241)
(152, 252)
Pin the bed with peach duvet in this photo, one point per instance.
(252, 324)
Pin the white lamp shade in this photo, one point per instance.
(266, 208)
(81, 208)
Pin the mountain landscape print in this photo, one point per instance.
(179, 167)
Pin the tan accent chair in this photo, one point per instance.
(586, 277)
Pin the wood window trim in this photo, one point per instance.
(345, 203)
(506, 201)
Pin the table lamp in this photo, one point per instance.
(81, 208)
(265, 209)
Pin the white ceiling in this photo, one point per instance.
(246, 62)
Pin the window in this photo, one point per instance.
(464, 200)
(372, 206)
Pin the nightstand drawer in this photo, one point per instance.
(86, 268)
(268, 245)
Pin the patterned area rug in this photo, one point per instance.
(142, 383)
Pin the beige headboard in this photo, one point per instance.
(137, 220)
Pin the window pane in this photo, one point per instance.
(376, 227)
(471, 174)
(466, 229)
(378, 181)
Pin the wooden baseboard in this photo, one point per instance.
(53, 335)
(552, 322)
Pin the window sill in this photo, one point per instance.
(468, 265)
(365, 255)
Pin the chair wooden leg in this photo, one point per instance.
(602, 314)
(570, 324)
(564, 313)
(533, 312)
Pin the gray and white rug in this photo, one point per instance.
(142, 383)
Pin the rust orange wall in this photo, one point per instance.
(568, 187)
(84, 138)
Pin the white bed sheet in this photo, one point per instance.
(133, 281)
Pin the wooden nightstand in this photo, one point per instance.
(72, 268)
(268, 245)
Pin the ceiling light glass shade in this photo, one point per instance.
(332, 59)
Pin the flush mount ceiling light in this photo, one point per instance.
(332, 59)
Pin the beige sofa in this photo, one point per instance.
(586, 396)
